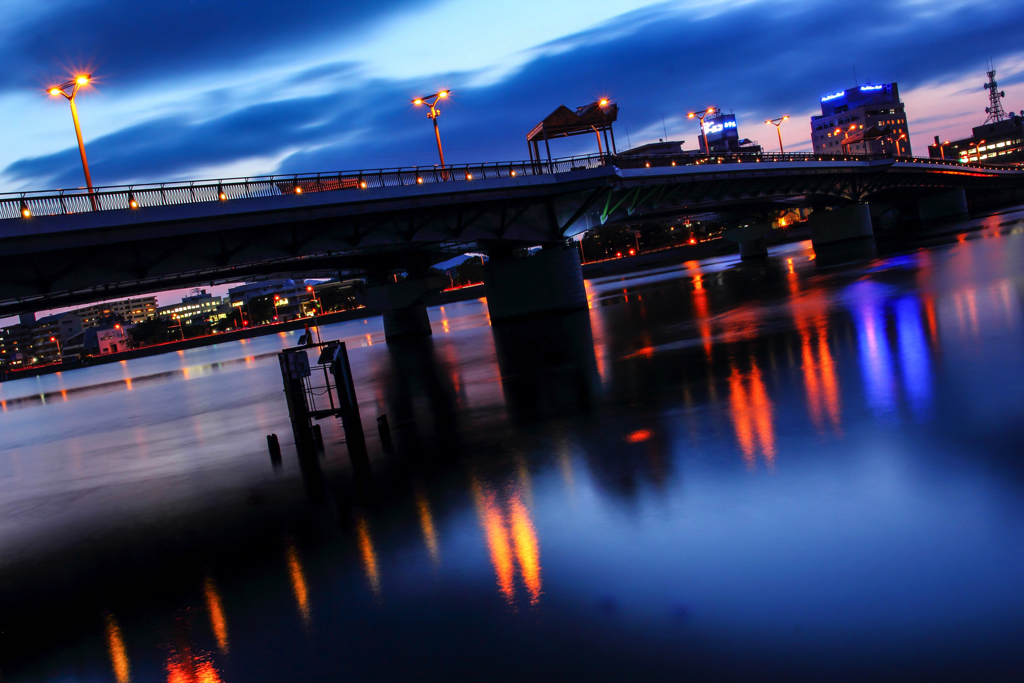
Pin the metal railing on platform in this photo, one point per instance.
(122, 197)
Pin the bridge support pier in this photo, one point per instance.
(949, 204)
(548, 281)
(844, 233)
(403, 305)
(751, 240)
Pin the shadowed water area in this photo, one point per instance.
(721, 471)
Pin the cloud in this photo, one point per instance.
(759, 59)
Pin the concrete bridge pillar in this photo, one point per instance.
(550, 280)
(403, 304)
(751, 239)
(946, 205)
(843, 232)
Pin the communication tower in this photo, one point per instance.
(995, 98)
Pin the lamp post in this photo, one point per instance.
(778, 129)
(319, 309)
(62, 89)
(431, 101)
(707, 148)
(897, 144)
(59, 354)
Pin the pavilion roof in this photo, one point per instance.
(564, 122)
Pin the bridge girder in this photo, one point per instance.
(61, 260)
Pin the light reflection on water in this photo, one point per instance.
(733, 469)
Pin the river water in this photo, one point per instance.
(721, 471)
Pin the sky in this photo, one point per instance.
(189, 89)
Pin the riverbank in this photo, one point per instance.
(446, 297)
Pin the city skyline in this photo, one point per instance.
(211, 91)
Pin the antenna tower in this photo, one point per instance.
(995, 98)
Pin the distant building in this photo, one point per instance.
(99, 341)
(850, 111)
(289, 302)
(34, 342)
(997, 141)
(47, 331)
(672, 147)
(130, 310)
(722, 135)
(197, 308)
(16, 345)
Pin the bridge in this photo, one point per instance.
(68, 246)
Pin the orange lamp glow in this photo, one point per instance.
(363, 184)
(54, 91)
(443, 93)
(417, 101)
(419, 181)
(513, 174)
(53, 339)
(298, 190)
(602, 103)
(82, 80)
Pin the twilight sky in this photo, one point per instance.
(215, 88)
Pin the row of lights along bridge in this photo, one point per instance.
(70, 89)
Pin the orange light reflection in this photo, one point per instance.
(427, 524)
(298, 582)
(218, 622)
(369, 556)
(118, 653)
(751, 413)
(524, 538)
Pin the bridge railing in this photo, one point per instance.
(79, 200)
(120, 197)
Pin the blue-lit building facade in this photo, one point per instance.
(855, 110)
(722, 135)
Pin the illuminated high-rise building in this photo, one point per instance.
(873, 114)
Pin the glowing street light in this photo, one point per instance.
(778, 129)
(59, 354)
(62, 89)
(431, 101)
(701, 116)
(896, 144)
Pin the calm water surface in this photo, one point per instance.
(722, 471)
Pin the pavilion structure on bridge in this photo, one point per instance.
(596, 117)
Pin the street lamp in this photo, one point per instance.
(318, 309)
(896, 144)
(431, 101)
(778, 129)
(62, 89)
(701, 116)
(59, 354)
(941, 146)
